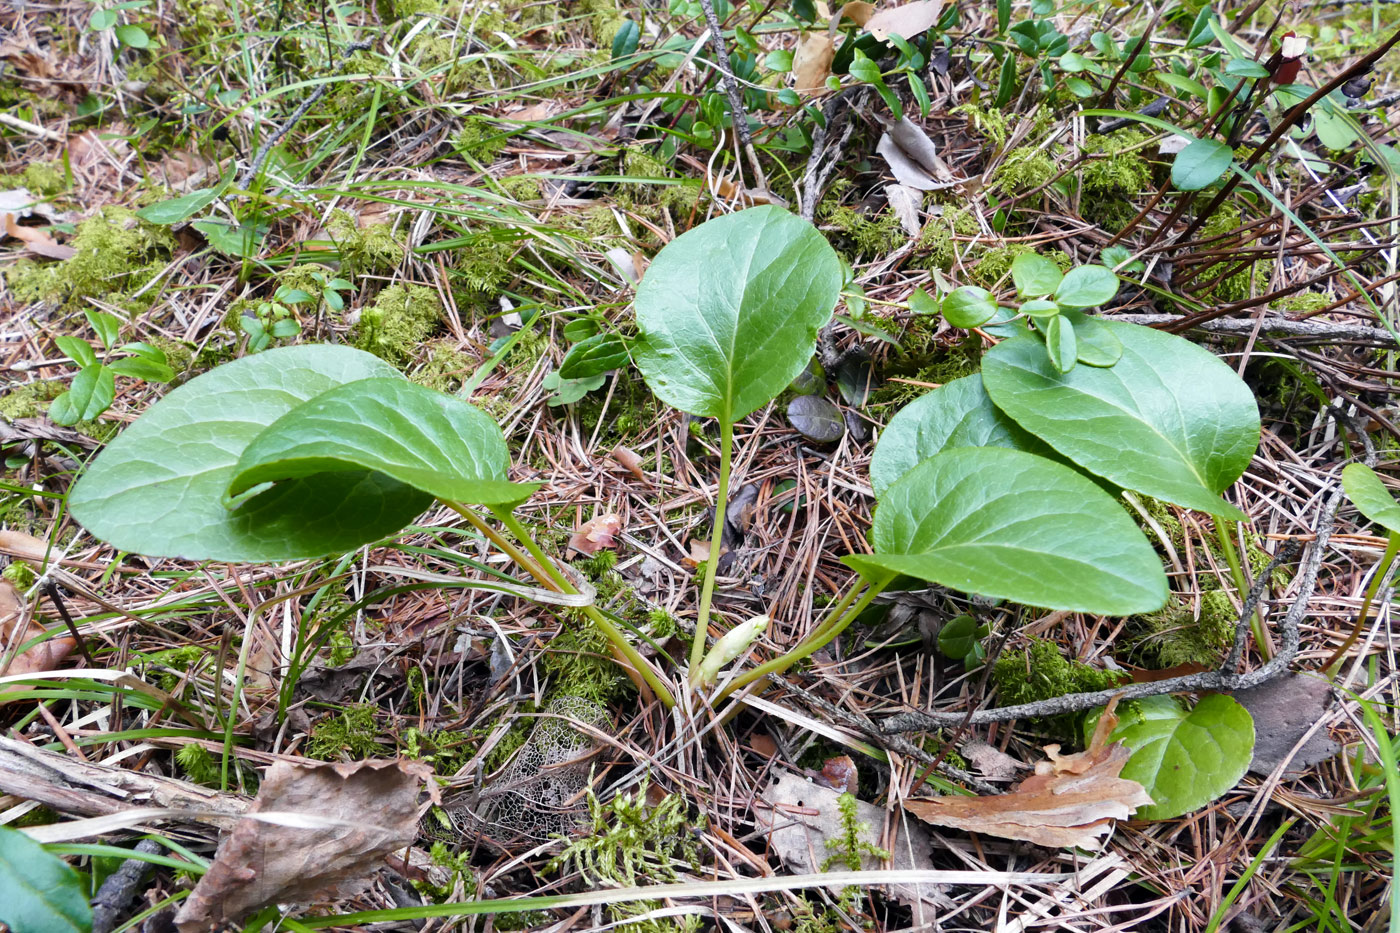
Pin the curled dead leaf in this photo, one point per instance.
(38, 241)
(314, 831)
(596, 534)
(1070, 801)
(630, 460)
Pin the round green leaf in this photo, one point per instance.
(1060, 343)
(1185, 759)
(969, 306)
(1366, 491)
(593, 355)
(1008, 524)
(38, 891)
(1168, 419)
(729, 311)
(132, 36)
(1201, 163)
(178, 209)
(438, 444)
(958, 414)
(1035, 275)
(1097, 344)
(158, 488)
(1086, 286)
(1040, 308)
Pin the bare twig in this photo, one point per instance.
(731, 90)
(828, 142)
(1278, 326)
(120, 887)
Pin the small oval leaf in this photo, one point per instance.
(1183, 759)
(1086, 286)
(1008, 524)
(438, 444)
(816, 419)
(1201, 163)
(1035, 275)
(1061, 344)
(1366, 491)
(1097, 344)
(729, 311)
(969, 306)
(1169, 419)
(593, 355)
(178, 209)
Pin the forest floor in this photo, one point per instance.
(466, 190)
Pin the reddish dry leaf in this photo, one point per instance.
(45, 656)
(630, 460)
(1071, 800)
(839, 774)
(596, 534)
(37, 241)
(909, 21)
(335, 824)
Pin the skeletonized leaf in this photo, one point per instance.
(1070, 801)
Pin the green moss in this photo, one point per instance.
(478, 140)
(937, 237)
(632, 410)
(1302, 302)
(1172, 635)
(851, 847)
(370, 250)
(919, 359)
(446, 368)
(1253, 279)
(29, 400)
(992, 123)
(398, 322)
(1041, 672)
(516, 736)
(604, 19)
(346, 734)
(522, 187)
(870, 236)
(1113, 177)
(483, 266)
(631, 844)
(20, 574)
(117, 254)
(579, 663)
(45, 178)
(1024, 169)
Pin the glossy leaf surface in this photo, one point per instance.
(729, 311)
(1168, 419)
(1185, 759)
(1008, 524)
(443, 446)
(158, 488)
(958, 414)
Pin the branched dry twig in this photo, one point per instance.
(1223, 679)
(826, 151)
(731, 90)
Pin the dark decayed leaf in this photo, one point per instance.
(816, 419)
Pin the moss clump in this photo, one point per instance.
(937, 237)
(1041, 672)
(483, 266)
(447, 367)
(364, 250)
(401, 318)
(579, 663)
(917, 361)
(870, 236)
(989, 122)
(1173, 635)
(604, 20)
(1111, 182)
(1023, 170)
(29, 400)
(478, 140)
(117, 253)
(347, 734)
(20, 574)
(522, 187)
(631, 844)
(1302, 302)
(42, 178)
(1236, 286)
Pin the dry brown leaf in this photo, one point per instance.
(700, 552)
(857, 11)
(840, 774)
(913, 157)
(992, 763)
(909, 21)
(335, 824)
(596, 534)
(905, 202)
(630, 460)
(811, 63)
(1071, 800)
(45, 656)
(27, 547)
(38, 241)
(800, 817)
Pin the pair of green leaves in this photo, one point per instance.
(94, 388)
(970, 498)
(294, 453)
(1053, 300)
